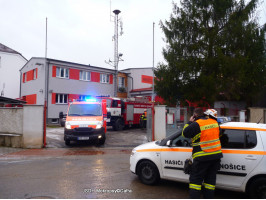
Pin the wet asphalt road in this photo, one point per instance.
(84, 171)
(128, 138)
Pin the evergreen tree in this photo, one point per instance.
(215, 50)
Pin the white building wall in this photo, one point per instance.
(136, 74)
(10, 64)
(58, 85)
(70, 86)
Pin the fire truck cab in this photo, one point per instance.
(125, 112)
(86, 120)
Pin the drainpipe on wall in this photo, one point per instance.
(46, 67)
(44, 124)
(132, 82)
(20, 84)
(45, 100)
(47, 85)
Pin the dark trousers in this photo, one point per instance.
(143, 123)
(203, 173)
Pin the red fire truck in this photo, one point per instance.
(125, 112)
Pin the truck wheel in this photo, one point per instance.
(148, 173)
(67, 142)
(257, 189)
(102, 140)
(62, 122)
(119, 124)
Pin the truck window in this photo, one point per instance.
(108, 103)
(115, 103)
(238, 139)
(85, 110)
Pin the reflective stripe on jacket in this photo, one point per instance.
(143, 117)
(208, 138)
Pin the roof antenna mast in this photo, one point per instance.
(117, 55)
(46, 39)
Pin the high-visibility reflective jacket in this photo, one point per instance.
(143, 117)
(204, 134)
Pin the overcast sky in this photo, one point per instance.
(81, 31)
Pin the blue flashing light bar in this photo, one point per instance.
(90, 100)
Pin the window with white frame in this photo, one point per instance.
(84, 75)
(61, 98)
(34, 74)
(104, 78)
(62, 72)
(25, 78)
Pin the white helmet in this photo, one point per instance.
(211, 112)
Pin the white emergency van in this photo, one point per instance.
(86, 120)
(243, 166)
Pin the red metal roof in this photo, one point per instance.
(141, 89)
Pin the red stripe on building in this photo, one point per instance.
(53, 98)
(95, 77)
(74, 74)
(146, 79)
(30, 75)
(31, 99)
(54, 71)
(111, 78)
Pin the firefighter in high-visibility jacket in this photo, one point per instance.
(203, 130)
(143, 119)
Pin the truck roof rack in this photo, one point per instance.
(138, 99)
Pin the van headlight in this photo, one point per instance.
(133, 152)
(68, 125)
(99, 125)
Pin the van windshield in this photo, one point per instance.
(85, 110)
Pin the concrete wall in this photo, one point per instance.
(257, 114)
(26, 122)
(11, 120)
(10, 65)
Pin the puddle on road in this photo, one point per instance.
(64, 152)
(83, 152)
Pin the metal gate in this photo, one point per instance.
(176, 118)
